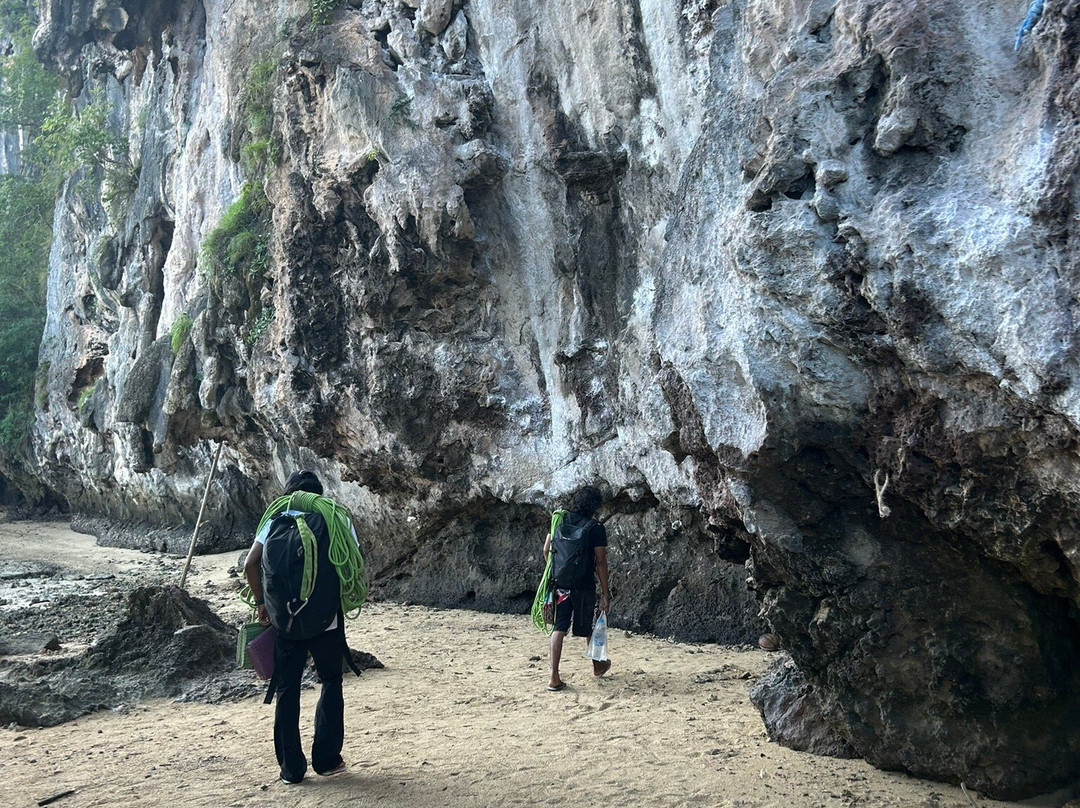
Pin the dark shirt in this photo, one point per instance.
(596, 535)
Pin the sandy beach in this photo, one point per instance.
(459, 716)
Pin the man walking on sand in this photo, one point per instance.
(324, 639)
(579, 545)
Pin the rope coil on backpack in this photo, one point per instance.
(537, 613)
(343, 552)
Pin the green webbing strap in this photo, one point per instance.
(545, 581)
(343, 552)
(311, 558)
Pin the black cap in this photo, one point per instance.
(303, 481)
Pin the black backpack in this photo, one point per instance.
(570, 547)
(283, 565)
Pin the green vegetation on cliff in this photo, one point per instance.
(25, 234)
(321, 10)
(27, 92)
(258, 148)
(179, 331)
(238, 246)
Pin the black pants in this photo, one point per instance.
(289, 660)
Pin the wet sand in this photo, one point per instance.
(460, 716)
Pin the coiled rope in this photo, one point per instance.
(343, 552)
(544, 589)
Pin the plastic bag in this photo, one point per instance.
(598, 641)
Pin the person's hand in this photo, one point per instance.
(263, 615)
(603, 603)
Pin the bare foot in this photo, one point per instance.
(600, 668)
(556, 686)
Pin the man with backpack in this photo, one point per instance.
(578, 546)
(306, 574)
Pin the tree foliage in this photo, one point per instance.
(25, 233)
(27, 92)
(72, 139)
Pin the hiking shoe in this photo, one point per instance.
(338, 769)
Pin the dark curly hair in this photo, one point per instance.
(586, 500)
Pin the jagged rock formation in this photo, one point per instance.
(791, 712)
(793, 280)
(433, 304)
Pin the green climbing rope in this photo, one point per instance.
(343, 552)
(544, 590)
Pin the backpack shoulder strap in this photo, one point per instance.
(346, 652)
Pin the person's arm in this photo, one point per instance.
(547, 547)
(602, 574)
(253, 574)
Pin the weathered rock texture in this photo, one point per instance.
(448, 323)
(793, 280)
(791, 712)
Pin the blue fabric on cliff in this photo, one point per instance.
(1035, 11)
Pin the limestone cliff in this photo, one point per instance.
(793, 279)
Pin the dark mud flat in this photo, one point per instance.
(166, 644)
(38, 599)
(87, 628)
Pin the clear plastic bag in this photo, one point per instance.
(598, 641)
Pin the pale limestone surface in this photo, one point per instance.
(734, 261)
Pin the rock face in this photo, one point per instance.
(794, 282)
(792, 714)
(431, 296)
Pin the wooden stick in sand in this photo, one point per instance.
(55, 797)
(198, 522)
(964, 789)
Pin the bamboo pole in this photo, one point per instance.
(198, 522)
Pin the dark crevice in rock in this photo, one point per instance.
(593, 171)
(631, 501)
(85, 377)
(147, 20)
(802, 188)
